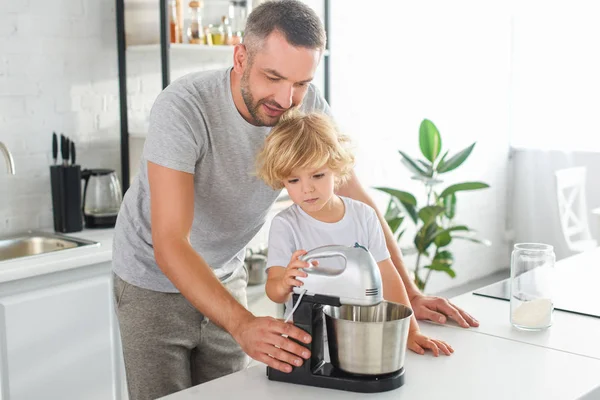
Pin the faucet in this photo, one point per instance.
(10, 162)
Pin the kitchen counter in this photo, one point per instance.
(482, 367)
(62, 260)
(494, 361)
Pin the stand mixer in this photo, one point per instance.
(357, 283)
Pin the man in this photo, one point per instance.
(179, 243)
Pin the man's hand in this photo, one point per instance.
(437, 309)
(261, 338)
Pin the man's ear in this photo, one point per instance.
(240, 58)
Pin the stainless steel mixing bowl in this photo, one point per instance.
(368, 340)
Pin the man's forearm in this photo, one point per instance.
(395, 253)
(196, 281)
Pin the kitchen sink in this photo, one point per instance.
(34, 243)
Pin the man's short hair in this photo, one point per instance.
(298, 23)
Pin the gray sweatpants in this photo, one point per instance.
(168, 345)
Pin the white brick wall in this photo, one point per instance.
(58, 72)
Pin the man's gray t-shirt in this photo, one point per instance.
(196, 128)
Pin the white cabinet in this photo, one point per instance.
(58, 337)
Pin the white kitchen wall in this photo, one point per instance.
(555, 104)
(395, 63)
(58, 72)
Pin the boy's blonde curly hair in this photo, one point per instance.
(304, 141)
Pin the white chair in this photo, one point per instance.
(572, 208)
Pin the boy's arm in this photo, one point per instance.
(281, 248)
(273, 287)
(425, 307)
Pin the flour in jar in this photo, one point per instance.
(533, 314)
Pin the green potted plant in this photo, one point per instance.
(435, 220)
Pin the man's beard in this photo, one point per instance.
(252, 106)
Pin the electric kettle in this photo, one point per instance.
(102, 197)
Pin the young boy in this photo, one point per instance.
(306, 154)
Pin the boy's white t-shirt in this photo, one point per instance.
(293, 229)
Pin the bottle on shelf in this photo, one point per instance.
(238, 11)
(225, 28)
(174, 28)
(195, 29)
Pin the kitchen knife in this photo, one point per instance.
(72, 153)
(54, 147)
(67, 150)
(63, 150)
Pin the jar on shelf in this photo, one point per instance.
(195, 29)
(217, 35)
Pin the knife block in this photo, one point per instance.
(66, 198)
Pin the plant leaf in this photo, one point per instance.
(412, 164)
(441, 267)
(444, 257)
(426, 231)
(455, 161)
(427, 166)
(442, 239)
(442, 160)
(463, 186)
(406, 199)
(403, 197)
(429, 140)
(428, 213)
(412, 212)
(395, 223)
(450, 206)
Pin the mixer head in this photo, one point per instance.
(356, 282)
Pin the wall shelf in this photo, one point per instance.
(185, 48)
(164, 49)
(182, 48)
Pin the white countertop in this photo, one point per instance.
(482, 367)
(573, 333)
(494, 361)
(26, 267)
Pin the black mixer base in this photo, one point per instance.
(332, 378)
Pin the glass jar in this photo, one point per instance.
(217, 34)
(195, 30)
(531, 282)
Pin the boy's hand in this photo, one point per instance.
(293, 271)
(418, 342)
